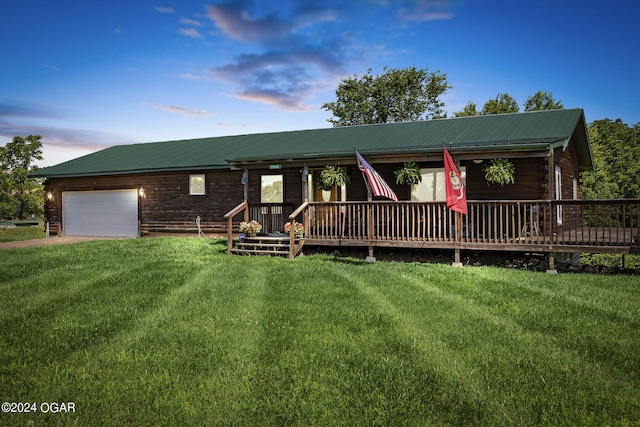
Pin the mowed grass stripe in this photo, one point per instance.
(199, 346)
(482, 351)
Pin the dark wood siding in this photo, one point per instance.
(167, 195)
(530, 181)
(292, 185)
(568, 162)
(168, 201)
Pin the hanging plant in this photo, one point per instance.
(409, 173)
(500, 171)
(332, 176)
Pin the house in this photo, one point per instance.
(175, 186)
(98, 194)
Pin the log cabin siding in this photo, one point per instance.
(167, 195)
(529, 181)
(168, 200)
(357, 189)
(568, 162)
(292, 185)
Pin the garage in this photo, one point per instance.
(111, 213)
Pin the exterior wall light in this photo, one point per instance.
(50, 196)
(142, 193)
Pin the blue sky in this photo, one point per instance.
(89, 74)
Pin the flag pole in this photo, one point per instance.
(366, 182)
(457, 224)
(370, 258)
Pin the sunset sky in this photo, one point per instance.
(89, 74)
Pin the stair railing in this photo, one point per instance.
(302, 209)
(241, 208)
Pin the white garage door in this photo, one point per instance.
(100, 213)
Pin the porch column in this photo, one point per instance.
(305, 183)
(245, 184)
(551, 175)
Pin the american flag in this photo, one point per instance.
(378, 186)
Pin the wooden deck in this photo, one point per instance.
(594, 226)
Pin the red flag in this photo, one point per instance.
(378, 186)
(456, 198)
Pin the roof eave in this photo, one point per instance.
(127, 172)
(505, 146)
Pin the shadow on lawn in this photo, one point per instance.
(519, 260)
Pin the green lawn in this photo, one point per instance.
(21, 233)
(171, 331)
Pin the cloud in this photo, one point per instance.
(164, 9)
(235, 21)
(20, 109)
(191, 76)
(190, 32)
(182, 110)
(16, 118)
(286, 79)
(426, 10)
(293, 52)
(73, 142)
(193, 22)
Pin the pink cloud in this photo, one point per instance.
(192, 112)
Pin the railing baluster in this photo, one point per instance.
(496, 222)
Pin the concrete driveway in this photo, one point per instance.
(59, 240)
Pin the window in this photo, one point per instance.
(196, 185)
(432, 188)
(271, 189)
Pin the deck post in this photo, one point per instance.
(370, 223)
(456, 259)
(370, 259)
(552, 264)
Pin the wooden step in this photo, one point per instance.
(259, 252)
(265, 245)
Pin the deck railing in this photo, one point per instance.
(272, 216)
(537, 225)
(488, 224)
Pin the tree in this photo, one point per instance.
(397, 95)
(542, 101)
(616, 156)
(502, 104)
(20, 196)
(469, 110)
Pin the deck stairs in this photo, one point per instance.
(266, 245)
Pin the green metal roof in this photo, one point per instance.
(520, 131)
